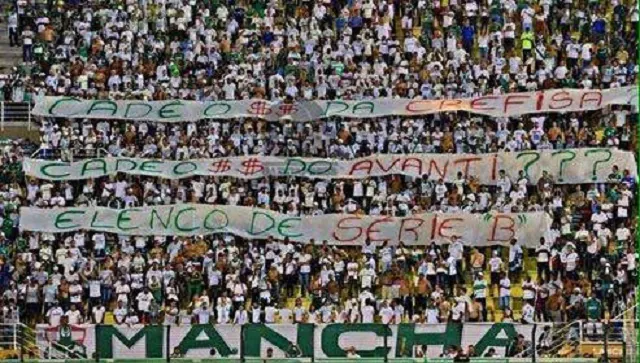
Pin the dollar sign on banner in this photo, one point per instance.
(570, 156)
(260, 108)
(527, 165)
(251, 166)
(220, 166)
(594, 176)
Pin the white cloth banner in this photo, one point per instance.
(320, 341)
(338, 229)
(566, 166)
(513, 104)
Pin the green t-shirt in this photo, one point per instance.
(156, 291)
(609, 131)
(7, 227)
(594, 309)
(480, 289)
(259, 7)
(339, 67)
(174, 69)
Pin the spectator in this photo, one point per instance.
(340, 50)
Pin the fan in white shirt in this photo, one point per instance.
(270, 313)
(223, 313)
(55, 314)
(132, 319)
(298, 312)
(286, 315)
(368, 312)
(144, 299)
(386, 313)
(528, 313)
(98, 314)
(241, 317)
(74, 316)
(256, 314)
(120, 313)
(202, 314)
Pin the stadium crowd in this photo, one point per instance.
(290, 50)
(348, 49)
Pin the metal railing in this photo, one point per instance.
(15, 114)
(561, 335)
(22, 342)
(18, 340)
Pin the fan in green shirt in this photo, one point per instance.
(612, 195)
(594, 307)
(21, 245)
(569, 83)
(521, 5)
(480, 288)
(5, 250)
(83, 52)
(496, 12)
(610, 131)
(156, 290)
(194, 285)
(174, 69)
(7, 227)
(616, 175)
(258, 6)
(427, 23)
(338, 67)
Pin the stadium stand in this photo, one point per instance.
(543, 88)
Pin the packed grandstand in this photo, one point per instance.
(454, 171)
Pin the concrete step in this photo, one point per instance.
(9, 56)
(7, 50)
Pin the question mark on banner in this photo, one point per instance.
(595, 165)
(528, 164)
(570, 156)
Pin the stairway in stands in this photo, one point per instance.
(9, 56)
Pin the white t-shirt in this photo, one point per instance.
(572, 260)
(543, 254)
(386, 315)
(203, 315)
(144, 301)
(495, 263)
(505, 287)
(27, 36)
(255, 315)
(270, 314)
(240, 317)
(120, 314)
(528, 313)
(623, 234)
(54, 315)
(298, 313)
(98, 314)
(73, 316)
(367, 314)
(528, 294)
